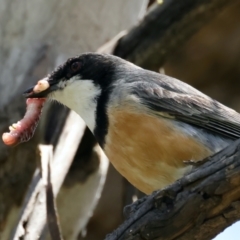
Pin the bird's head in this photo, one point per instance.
(79, 83)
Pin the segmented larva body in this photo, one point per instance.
(24, 129)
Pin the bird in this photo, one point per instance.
(148, 124)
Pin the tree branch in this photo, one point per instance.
(164, 29)
(52, 214)
(198, 206)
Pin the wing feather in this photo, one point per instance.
(188, 106)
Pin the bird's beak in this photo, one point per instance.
(41, 89)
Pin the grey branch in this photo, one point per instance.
(198, 206)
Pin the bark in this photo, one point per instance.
(198, 206)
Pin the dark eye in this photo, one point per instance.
(75, 66)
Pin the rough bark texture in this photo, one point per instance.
(198, 206)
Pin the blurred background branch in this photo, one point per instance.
(164, 29)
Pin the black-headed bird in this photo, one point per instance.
(148, 124)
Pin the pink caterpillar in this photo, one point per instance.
(24, 129)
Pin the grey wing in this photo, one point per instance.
(196, 109)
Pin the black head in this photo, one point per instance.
(100, 68)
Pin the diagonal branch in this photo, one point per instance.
(198, 206)
(46, 168)
(164, 29)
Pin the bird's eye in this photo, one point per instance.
(75, 66)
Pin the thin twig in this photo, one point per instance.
(52, 216)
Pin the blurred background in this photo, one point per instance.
(36, 36)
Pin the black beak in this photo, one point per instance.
(29, 93)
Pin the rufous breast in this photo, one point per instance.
(149, 151)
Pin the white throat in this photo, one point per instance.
(80, 96)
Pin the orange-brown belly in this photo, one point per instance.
(149, 151)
